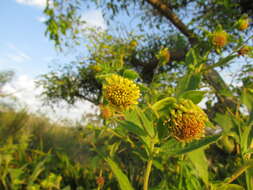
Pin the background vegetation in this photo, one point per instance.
(170, 63)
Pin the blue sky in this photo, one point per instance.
(25, 50)
(23, 45)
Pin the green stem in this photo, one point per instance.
(249, 178)
(239, 171)
(147, 174)
(148, 168)
(223, 61)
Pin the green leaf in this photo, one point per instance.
(223, 61)
(198, 158)
(194, 81)
(80, 188)
(158, 165)
(113, 148)
(229, 187)
(188, 82)
(172, 147)
(132, 116)
(142, 154)
(146, 123)
(169, 147)
(198, 144)
(191, 57)
(247, 168)
(38, 169)
(133, 128)
(224, 121)
(121, 177)
(159, 105)
(193, 95)
(162, 106)
(247, 99)
(134, 125)
(131, 74)
(16, 175)
(68, 188)
(245, 138)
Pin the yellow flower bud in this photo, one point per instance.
(96, 68)
(100, 181)
(220, 39)
(243, 24)
(165, 54)
(106, 112)
(244, 50)
(133, 43)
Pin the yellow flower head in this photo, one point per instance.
(165, 54)
(244, 50)
(187, 121)
(243, 24)
(133, 43)
(121, 92)
(100, 181)
(220, 39)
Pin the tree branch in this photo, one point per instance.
(167, 12)
(212, 77)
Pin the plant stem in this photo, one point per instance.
(148, 168)
(147, 174)
(239, 171)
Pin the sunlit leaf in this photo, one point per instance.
(199, 160)
(173, 147)
(193, 95)
(121, 177)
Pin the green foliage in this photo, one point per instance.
(121, 177)
(5, 76)
(165, 141)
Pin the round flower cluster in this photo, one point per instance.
(121, 92)
(187, 121)
(100, 181)
(219, 39)
(243, 24)
(165, 54)
(244, 50)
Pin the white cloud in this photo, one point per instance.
(37, 3)
(94, 18)
(41, 19)
(24, 89)
(26, 92)
(17, 55)
(19, 58)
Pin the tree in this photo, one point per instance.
(64, 20)
(5, 76)
(147, 86)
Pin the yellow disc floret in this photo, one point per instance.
(121, 92)
(220, 39)
(186, 121)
